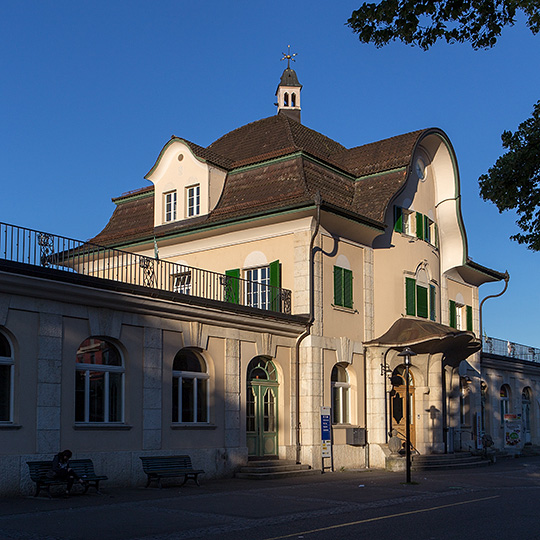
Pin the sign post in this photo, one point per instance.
(326, 438)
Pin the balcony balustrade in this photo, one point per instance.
(27, 246)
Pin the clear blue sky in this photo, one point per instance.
(91, 91)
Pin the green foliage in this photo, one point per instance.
(513, 183)
(423, 22)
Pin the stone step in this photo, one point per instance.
(276, 474)
(462, 460)
(274, 468)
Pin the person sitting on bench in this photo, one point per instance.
(62, 471)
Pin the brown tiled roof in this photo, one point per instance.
(274, 136)
(132, 219)
(379, 156)
(361, 180)
(209, 155)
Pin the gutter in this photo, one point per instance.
(309, 324)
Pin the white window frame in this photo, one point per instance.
(193, 200)
(341, 393)
(169, 206)
(257, 287)
(10, 362)
(192, 375)
(409, 222)
(87, 369)
(182, 282)
(461, 317)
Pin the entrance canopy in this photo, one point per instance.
(427, 337)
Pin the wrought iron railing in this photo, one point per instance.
(27, 246)
(510, 349)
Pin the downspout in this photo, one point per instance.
(506, 280)
(309, 324)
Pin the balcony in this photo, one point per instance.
(30, 247)
(509, 349)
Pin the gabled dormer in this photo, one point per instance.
(186, 186)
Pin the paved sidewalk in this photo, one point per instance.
(250, 509)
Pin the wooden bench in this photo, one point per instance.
(158, 467)
(84, 468)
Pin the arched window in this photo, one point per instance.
(286, 99)
(99, 382)
(505, 401)
(293, 100)
(7, 365)
(190, 388)
(340, 394)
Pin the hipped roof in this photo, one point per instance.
(274, 164)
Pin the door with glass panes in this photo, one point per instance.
(262, 408)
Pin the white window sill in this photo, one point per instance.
(102, 426)
(344, 309)
(193, 425)
(9, 425)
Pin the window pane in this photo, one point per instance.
(188, 396)
(115, 397)
(5, 393)
(98, 351)
(345, 404)
(336, 405)
(186, 360)
(80, 377)
(97, 396)
(250, 410)
(5, 349)
(175, 387)
(202, 408)
(269, 411)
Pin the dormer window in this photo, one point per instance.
(170, 206)
(193, 200)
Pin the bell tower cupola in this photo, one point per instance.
(288, 90)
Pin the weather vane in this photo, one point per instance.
(289, 56)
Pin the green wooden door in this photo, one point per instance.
(262, 409)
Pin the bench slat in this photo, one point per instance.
(157, 467)
(84, 468)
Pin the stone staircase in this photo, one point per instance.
(530, 450)
(459, 460)
(274, 468)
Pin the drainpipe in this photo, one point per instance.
(309, 324)
(506, 280)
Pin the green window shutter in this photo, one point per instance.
(421, 301)
(426, 229)
(398, 219)
(347, 288)
(232, 286)
(410, 296)
(452, 307)
(469, 319)
(338, 286)
(275, 285)
(436, 233)
(419, 225)
(432, 302)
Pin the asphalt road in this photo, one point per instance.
(501, 501)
